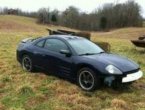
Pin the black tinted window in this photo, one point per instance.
(55, 45)
(40, 43)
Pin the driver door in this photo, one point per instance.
(54, 60)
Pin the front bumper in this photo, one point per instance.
(132, 77)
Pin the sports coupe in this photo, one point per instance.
(77, 58)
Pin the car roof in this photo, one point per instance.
(65, 37)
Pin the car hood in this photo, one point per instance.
(122, 63)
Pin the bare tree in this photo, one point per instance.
(107, 17)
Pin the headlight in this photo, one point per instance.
(113, 70)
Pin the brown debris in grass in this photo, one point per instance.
(141, 104)
(63, 87)
(34, 101)
(82, 107)
(73, 99)
(2, 107)
(139, 85)
(119, 104)
(2, 85)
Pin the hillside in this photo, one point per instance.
(15, 23)
(124, 33)
(23, 24)
(26, 24)
(20, 90)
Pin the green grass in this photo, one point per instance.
(20, 90)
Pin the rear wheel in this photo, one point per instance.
(88, 80)
(27, 63)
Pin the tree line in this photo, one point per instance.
(109, 16)
(8, 11)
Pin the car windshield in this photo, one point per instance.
(84, 47)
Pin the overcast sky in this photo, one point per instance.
(83, 5)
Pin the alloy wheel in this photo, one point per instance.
(27, 63)
(86, 80)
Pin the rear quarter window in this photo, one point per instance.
(40, 43)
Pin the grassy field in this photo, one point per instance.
(20, 90)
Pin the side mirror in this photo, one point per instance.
(65, 52)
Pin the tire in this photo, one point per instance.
(27, 64)
(88, 80)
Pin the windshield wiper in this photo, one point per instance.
(88, 54)
(102, 52)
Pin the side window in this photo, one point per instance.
(55, 45)
(40, 43)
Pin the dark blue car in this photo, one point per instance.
(76, 58)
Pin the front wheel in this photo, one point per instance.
(88, 80)
(27, 63)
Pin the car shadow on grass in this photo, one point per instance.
(73, 81)
(118, 89)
